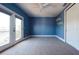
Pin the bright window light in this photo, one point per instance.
(4, 29)
(18, 28)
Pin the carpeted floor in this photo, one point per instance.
(41, 46)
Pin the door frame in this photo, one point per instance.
(22, 27)
(12, 17)
(65, 21)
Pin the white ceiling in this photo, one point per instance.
(42, 10)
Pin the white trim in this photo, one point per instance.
(69, 6)
(10, 11)
(65, 25)
(65, 21)
(43, 35)
(22, 27)
(48, 36)
(6, 9)
(60, 38)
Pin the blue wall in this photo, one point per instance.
(43, 26)
(18, 10)
(60, 27)
(39, 25)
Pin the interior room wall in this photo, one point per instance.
(60, 25)
(42, 26)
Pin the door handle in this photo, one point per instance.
(14, 29)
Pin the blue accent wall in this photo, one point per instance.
(43, 26)
(60, 27)
(14, 7)
(39, 25)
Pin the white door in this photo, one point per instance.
(72, 34)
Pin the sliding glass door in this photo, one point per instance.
(11, 27)
(18, 30)
(4, 29)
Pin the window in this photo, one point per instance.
(18, 28)
(11, 27)
(4, 29)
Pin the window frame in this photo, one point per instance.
(12, 17)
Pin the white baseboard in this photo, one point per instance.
(43, 35)
(48, 36)
(60, 38)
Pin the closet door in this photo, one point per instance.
(72, 35)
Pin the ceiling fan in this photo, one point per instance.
(44, 5)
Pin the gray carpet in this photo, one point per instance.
(41, 46)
